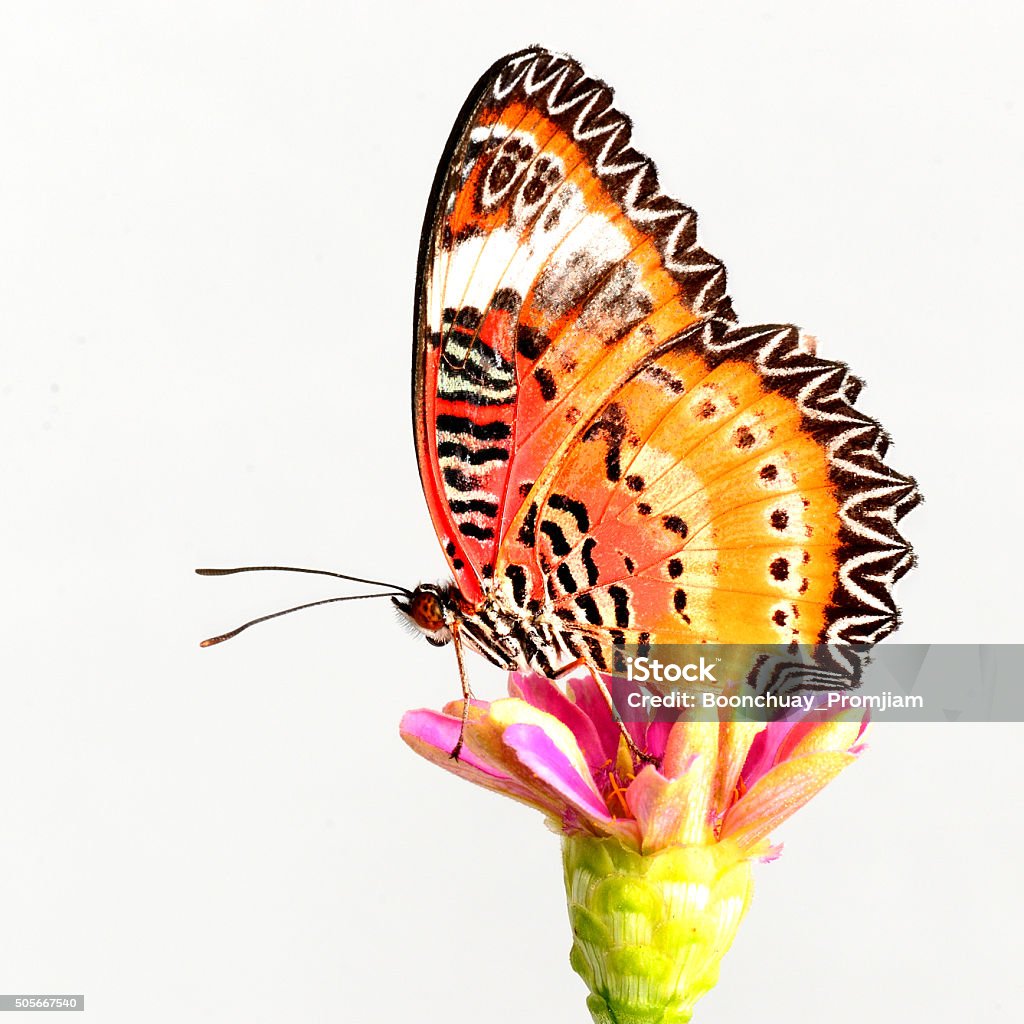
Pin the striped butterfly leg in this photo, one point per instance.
(467, 692)
(586, 663)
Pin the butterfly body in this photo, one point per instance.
(509, 635)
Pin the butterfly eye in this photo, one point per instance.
(425, 610)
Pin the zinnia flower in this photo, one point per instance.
(657, 856)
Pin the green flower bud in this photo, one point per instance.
(649, 930)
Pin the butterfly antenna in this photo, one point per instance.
(287, 611)
(312, 572)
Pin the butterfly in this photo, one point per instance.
(608, 457)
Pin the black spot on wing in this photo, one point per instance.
(596, 651)
(573, 644)
(471, 456)
(476, 532)
(457, 480)
(589, 564)
(469, 319)
(546, 383)
(559, 545)
(531, 344)
(485, 508)
(528, 531)
(496, 431)
(620, 599)
(611, 428)
(676, 525)
(566, 579)
(506, 299)
(591, 612)
(575, 508)
(668, 380)
(744, 437)
(517, 577)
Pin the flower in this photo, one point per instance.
(564, 754)
(656, 855)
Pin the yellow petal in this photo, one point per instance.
(512, 711)
(670, 812)
(684, 741)
(783, 790)
(834, 735)
(734, 740)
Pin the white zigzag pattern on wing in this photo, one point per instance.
(829, 385)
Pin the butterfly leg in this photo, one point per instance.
(467, 693)
(639, 754)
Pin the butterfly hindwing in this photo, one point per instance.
(721, 498)
(596, 436)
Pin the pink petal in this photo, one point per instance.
(587, 695)
(793, 738)
(548, 763)
(442, 733)
(433, 737)
(657, 738)
(764, 751)
(545, 695)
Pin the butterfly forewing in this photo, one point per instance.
(595, 435)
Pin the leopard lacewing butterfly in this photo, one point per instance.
(608, 456)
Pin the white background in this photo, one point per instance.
(209, 217)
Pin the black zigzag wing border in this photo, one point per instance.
(872, 496)
(583, 108)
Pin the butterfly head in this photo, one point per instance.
(431, 609)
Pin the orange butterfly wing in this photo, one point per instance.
(594, 432)
(548, 259)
